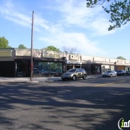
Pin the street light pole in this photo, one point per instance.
(31, 69)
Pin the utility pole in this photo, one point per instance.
(31, 67)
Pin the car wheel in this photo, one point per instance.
(74, 78)
(84, 76)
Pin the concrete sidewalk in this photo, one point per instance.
(36, 79)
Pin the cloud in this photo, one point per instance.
(76, 13)
(61, 33)
(8, 12)
(74, 40)
(12, 12)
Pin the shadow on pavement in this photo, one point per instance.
(80, 108)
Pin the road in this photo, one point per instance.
(92, 104)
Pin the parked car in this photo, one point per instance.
(20, 74)
(74, 74)
(128, 72)
(109, 73)
(121, 72)
(37, 72)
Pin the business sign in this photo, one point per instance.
(73, 57)
(120, 61)
(87, 58)
(113, 60)
(50, 54)
(99, 59)
(27, 52)
(5, 53)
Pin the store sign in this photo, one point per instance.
(5, 53)
(51, 54)
(74, 57)
(99, 59)
(113, 60)
(87, 58)
(73, 62)
(120, 61)
(27, 52)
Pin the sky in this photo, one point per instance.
(63, 23)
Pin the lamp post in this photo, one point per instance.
(31, 69)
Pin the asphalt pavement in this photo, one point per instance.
(94, 104)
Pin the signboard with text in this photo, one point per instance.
(50, 54)
(5, 53)
(27, 52)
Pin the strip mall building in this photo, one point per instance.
(16, 62)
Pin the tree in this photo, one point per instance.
(119, 11)
(120, 57)
(21, 46)
(70, 50)
(4, 43)
(52, 48)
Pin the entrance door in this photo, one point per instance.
(23, 68)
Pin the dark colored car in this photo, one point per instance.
(121, 72)
(109, 73)
(74, 74)
(128, 72)
(37, 72)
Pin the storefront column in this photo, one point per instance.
(73, 66)
(15, 69)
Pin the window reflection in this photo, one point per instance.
(48, 68)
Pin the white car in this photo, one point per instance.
(109, 73)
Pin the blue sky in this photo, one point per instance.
(63, 23)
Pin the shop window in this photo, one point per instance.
(48, 68)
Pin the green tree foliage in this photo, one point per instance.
(120, 57)
(21, 46)
(119, 11)
(4, 43)
(52, 48)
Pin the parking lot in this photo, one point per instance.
(92, 104)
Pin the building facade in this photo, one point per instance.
(17, 62)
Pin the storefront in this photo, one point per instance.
(120, 64)
(7, 64)
(73, 61)
(16, 63)
(120, 67)
(96, 68)
(87, 63)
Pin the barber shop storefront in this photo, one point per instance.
(17, 63)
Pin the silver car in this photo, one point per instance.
(109, 73)
(74, 74)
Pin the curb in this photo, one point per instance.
(36, 81)
(19, 81)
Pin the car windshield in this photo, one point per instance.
(72, 70)
(109, 71)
